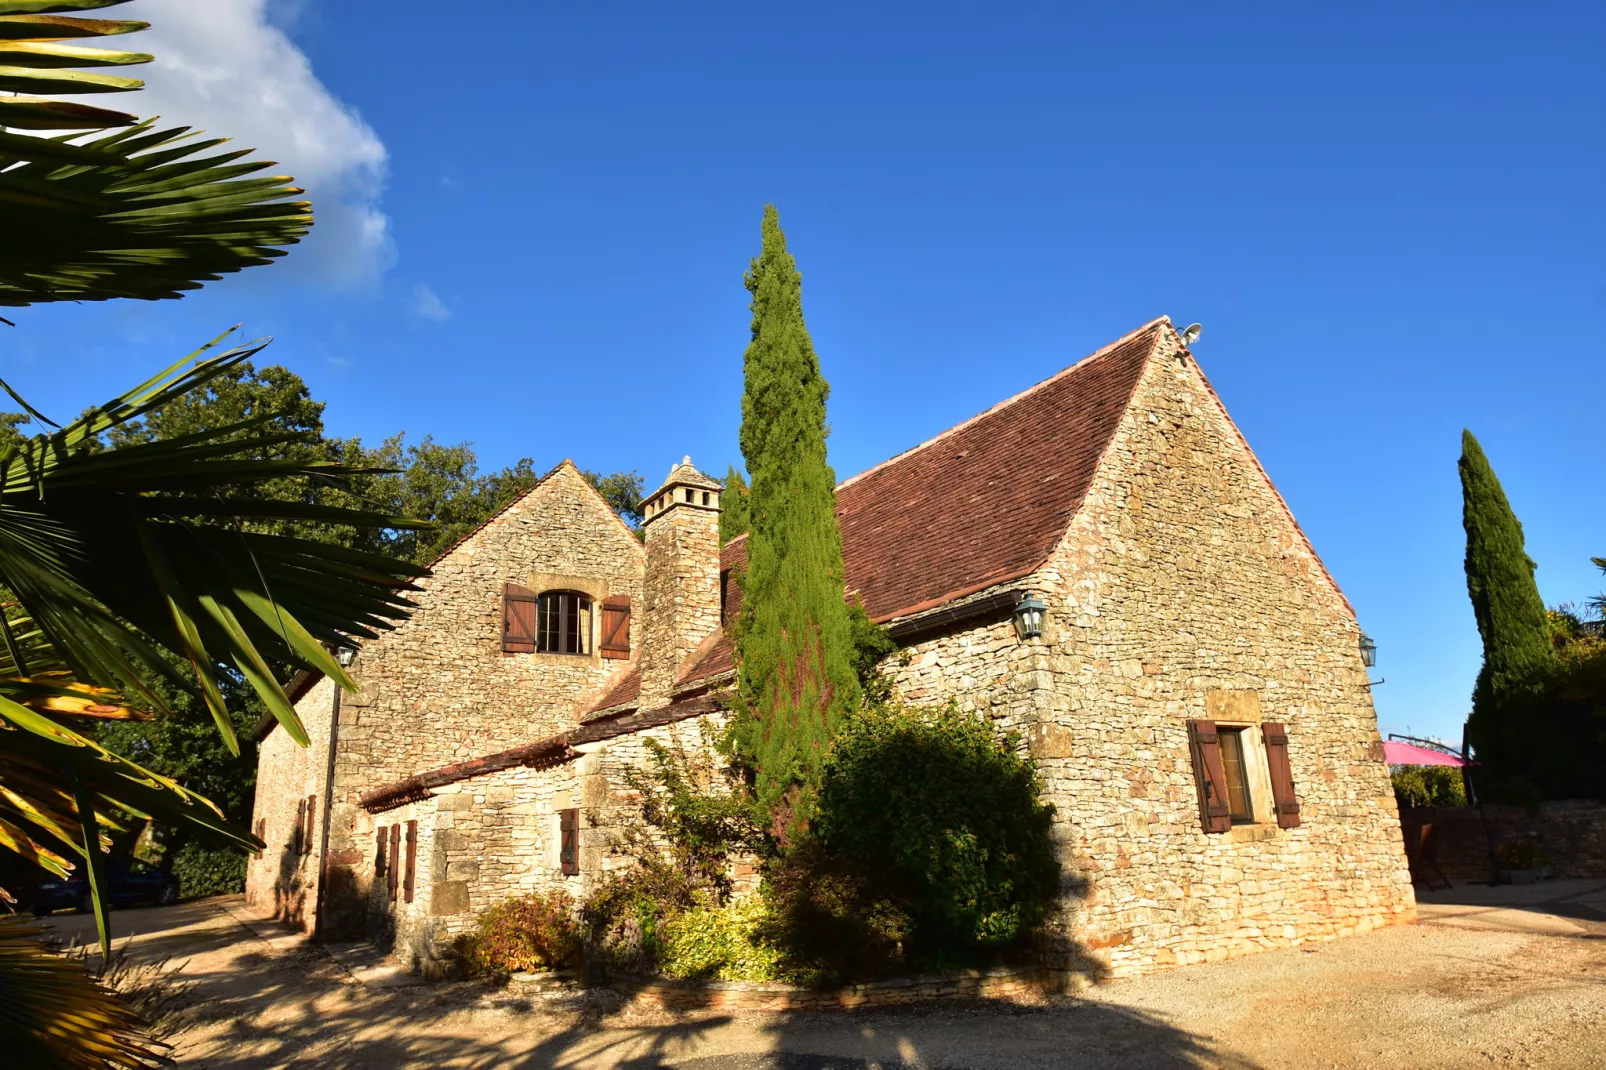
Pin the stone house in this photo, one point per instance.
(1194, 695)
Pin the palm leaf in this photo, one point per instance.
(52, 1014)
(138, 212)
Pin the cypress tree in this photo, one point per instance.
(796, 673)
(1511, 619)
(733, 507)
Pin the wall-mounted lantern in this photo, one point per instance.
(345, 655)
(1029, 617)
(1368, 651)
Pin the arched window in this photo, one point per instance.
(563, 623)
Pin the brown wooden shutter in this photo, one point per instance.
(616, 627)
(1209, 776)
(380, 835)
(569, 842)
(1282, 777)
(518, 619)
(395, 861)
(412, 860)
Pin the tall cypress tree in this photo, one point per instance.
(733, 513)
(796, 678)
(1511, 619)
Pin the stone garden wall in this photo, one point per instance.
(1006, 984)
(1572, 835)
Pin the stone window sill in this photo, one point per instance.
(1250, 833)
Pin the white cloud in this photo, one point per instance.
(224, 66)
(426, 304)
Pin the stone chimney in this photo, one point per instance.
(681, 597)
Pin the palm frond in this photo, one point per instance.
(53, 1014)
(140, 211)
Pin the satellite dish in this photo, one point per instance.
(1190, 334)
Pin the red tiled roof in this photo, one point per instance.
(542, 754)
(986, 501)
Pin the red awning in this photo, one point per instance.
(1395, 753)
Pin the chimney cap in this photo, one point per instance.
(682, 476)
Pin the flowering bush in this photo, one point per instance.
(535, 932)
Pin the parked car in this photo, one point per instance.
(129, 881)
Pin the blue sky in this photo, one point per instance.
(533, 227)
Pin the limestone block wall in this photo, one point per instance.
(1186, 591)
(282, 880)
(496, 837)
(439, 689)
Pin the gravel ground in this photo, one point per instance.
(1489, 977)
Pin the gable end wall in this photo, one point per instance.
(1188, 592)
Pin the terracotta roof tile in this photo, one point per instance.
(982, 503)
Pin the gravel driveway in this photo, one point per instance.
(1488, 976)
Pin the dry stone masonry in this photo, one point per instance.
(1179, 590)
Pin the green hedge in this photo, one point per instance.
(208, 871)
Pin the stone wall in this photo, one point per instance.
(1003, 984)
(681, 607)
(1188, 592)
(282, 880)
(495, 837)
(439, 689)
(1184, 590)
(1571, 833)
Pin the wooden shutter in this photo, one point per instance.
(395, 861)
(312, 823)
(518, 619)
(412, 860)
(1282, 777)
(379, 852)
(616, 627)
(569, 842)
(1209, 776)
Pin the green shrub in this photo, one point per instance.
(209, 870)
(535, 932)
(943, 816)
(832, 920)
(1428, 785)
(623, 917)
(728, 943)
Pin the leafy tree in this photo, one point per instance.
(1598, 603)
(1511, 620)
(796, 673)
(733, 516)
(623, 491)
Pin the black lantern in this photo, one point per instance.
(1029, 617)
(345, 655)
(1368, 651)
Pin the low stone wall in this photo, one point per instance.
(1011, 984)
(1572, 833)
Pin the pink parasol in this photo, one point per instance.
(1395, 753)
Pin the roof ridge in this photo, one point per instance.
(1034, 388)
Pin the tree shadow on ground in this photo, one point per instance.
(261, 1006)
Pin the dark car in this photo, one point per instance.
(129, 881)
